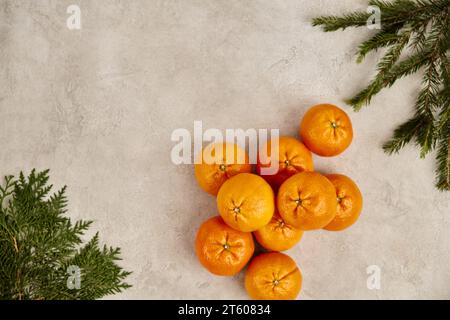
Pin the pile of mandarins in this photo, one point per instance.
(275, 209)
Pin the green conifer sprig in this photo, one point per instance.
(419, 30)
(39, 245)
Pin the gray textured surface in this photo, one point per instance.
(98, 105)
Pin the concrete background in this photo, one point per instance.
(98, 105)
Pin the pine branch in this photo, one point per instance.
(423, 26)
(393, 12)
(333, 23)
(38, 244)
(426, 104)
(405, 68)
(403, 135)
(443, 132)
(443, 156)
(382, 39)
(384, 66)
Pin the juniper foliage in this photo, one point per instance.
(39, 245)
(420, 31)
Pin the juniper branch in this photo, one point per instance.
(38, 243)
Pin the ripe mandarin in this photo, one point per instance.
(273, 276)
(326, 130)
(293, 157)
(246, 202)
(221, 249)
(307, 201)
(349, 200)
(218, 162)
